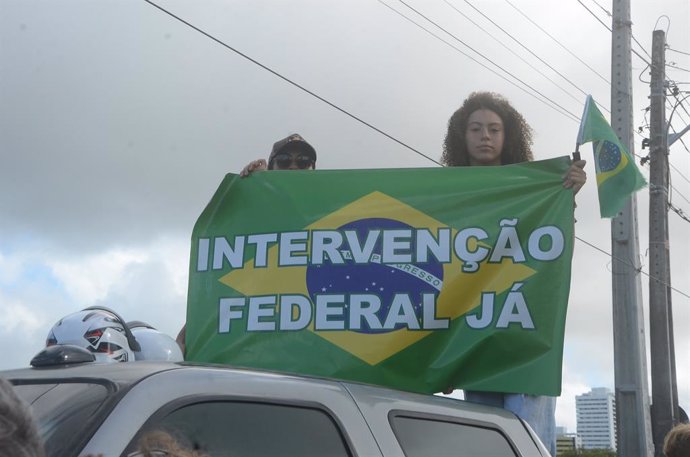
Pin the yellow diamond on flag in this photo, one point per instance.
(458, 292)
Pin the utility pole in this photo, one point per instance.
(633, 433)
(664, 391)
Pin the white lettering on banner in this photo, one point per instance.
(557, 243)
(331, 312)
(514, 310)
(202, 254)
(291, 242)
(362, 254)
(223, 251)
(364, 306)
(326, 242)
(471, 259)
(261, 241)
(288, 305)
(508, 244)
(395, 241)
(470, 245)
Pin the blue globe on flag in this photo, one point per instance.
(374, 277)
(608, 155)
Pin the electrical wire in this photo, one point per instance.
(595, 16)
(506, 47)
(526, 48)
(634, 267)
(609, 29)
(289, 81)
(681, 195)
(574, 116)
(679, 52)
(676, 67)
(678, 211)
(679, 173)
(609, 14)
(558, 42)
(546, 101)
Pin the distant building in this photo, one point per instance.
(566, 441)
(596, 419)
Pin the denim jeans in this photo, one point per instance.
(538, 411)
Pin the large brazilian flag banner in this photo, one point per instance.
(417, 279)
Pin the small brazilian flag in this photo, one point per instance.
(617, 174)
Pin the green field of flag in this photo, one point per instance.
(417, 279)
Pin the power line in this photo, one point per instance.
(676, 67)
(679, 52)
(333, 105)
(679, 212)
(681, 195)
(284, 78)
(679, 172)
(546, 100)
(354, 117)
(595, 16)
(573, 115)
(558, 42)
(679, 103)
(609, 14)
(492, 36)
(526, 48)
(637, 269)
(609, 29)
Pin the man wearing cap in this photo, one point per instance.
(290, 153)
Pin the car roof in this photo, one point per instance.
(124, 374)
(124, 379)
(119, 373)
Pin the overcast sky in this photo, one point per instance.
(118, 122)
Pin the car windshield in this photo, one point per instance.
(63, 412)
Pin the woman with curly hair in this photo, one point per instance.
(487, 131)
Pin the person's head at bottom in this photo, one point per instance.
(18, 434)
(677, 441)
(159, 443)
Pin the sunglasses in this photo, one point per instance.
(285, 160)
(151, 453)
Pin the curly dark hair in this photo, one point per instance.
(19, 436)
(677, 441)
(517, 145)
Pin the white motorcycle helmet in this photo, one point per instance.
(99, 330)
(154, 345)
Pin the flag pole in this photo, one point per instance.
(580, 131)
(576, 154)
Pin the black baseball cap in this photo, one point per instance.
(294, 141)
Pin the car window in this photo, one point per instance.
(421, 437)
(62, 412)
(246, 429)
